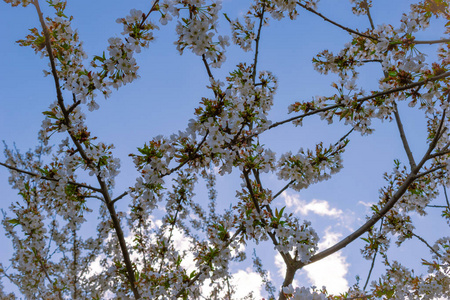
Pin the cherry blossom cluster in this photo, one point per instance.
(114, 70)
(303, 293)
(99, 154)
(243, 34)
(176, 245)
(360, 7)
(309, 168)
(401, 283)
(197, 31)
(221, 122)
(395, 49)
(301, 239)
(289, 6)
(376, 242)
(19, 2)
(29, 229)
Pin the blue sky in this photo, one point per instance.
(171, 86)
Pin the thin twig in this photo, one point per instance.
(119, 197)
(440, 153)
(373, 259)
(401, 130)
(337, 24)
(283, 189)
(172, 227)
(371, 60)
(375, 95)
(426, 243)
(89, 259)
(431, 170)
(189, 158)
(446, 197)
(95, 197)
(207, 67)
(258, 37)
(250, 190)
(205, 268)
(73, 106)
(368, 14)
(352, 31)
(292, 181)
(10, 278)
(75, 281)
(50, 179)
(153, 8)
(46, 275)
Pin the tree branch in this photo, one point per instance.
(286, 256)
(104, 188)
(172, 227)
(377, 216)
(432, 42)
(352, 31)
(207, 67)
(371, 60)
(95, 197)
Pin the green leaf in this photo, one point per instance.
(179, 260)
(226, 17)
(390, 293)
(282, 210)
(50, 114)
(15, 222)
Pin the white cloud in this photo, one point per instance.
(279, 263)
(245, 282)
(366, 204)
(319, 207)
(183, 243)
(330, 271)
